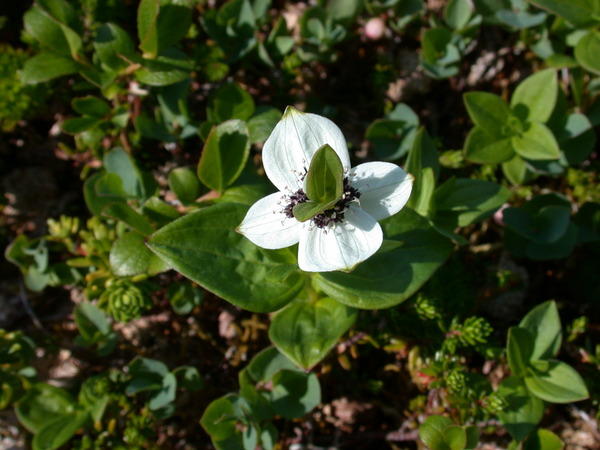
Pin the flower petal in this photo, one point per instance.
(384, 188)
(267, 226)
(290, 147)
(341, 247)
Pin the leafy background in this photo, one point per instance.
(118, 117)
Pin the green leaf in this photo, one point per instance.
(114, 46)
(47, 66)
(560, 248)
(543, 440)
(392, 138)
(487, 111)
(171, 67)
(229, 101)
(455, 437)
(174, 20)
(457, 13)
(158, 212)
(126, 214)
(439, 54)
(484, 148)
(91, 321)
(166, 393)
(51, 31)
(325, 178)
(91, 106)
(411, 253)
(535, 97)
(576, 138)
(519, 349)
(204, 247)
(552, 223)
(101, 189)
(268, 437)
(224, 155)
(523, 411)
(307, 210)
(221, 417)
(119, 162)
(537, 143)
(305, 331)
(262, 124)
(58, 432)
(587, 50)
(267, 363)
(184, 297)
(250, 437)
(78, 125)
(556, 382)
(545, 226)
(516, 170)
(189, 378)
(439, 433)
(472, 437)
(422, 163)
(343, 11)
(294, 393)
(41, 404)
(129, 256)
(147, 15)
(580, 13)
(463, 201)
(183, 181)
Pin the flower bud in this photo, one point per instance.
(374, 28)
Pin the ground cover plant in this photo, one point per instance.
(273, 224)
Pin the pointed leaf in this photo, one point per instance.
(537, 143)
(325, 178)
(411, 254)
(224, 155)
(204, 247)
(535, 97)
(556, 382)
(587, 50)
(147, 16)
(579, 12)
(47, 66)
(129, 256)
(305, 331)
(488, 111)
(307, 210)
(484, 148)
(519, 350)
(523, 412)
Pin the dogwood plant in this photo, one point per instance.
(326, 207)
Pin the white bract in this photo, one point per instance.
(339, 238)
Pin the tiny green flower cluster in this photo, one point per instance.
(474, 330)
(16, 99)
(456, 381)
(124, 300)
(495, 403)
(427, 307)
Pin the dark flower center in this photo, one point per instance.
(333, 215)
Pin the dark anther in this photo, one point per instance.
(333, 215)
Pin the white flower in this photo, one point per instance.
(337, 239)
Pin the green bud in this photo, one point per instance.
(124, 300)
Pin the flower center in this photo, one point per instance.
(330, 216)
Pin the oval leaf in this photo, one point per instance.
(411, 254)
(224, 155)
(305, 331)
(204, 247)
